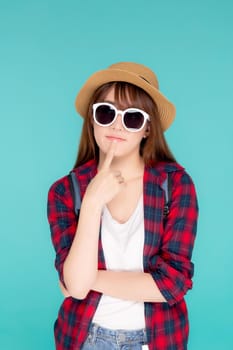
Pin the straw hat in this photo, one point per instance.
(134, 73)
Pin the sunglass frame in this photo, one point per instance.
(122, 113)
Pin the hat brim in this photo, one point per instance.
(166, 109)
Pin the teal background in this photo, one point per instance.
(47, 50)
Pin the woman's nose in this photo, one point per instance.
(118, 122)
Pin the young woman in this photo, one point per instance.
(123, 267)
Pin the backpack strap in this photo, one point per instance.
(166, 186)
(75, 191)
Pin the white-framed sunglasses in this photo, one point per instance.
(133, 119)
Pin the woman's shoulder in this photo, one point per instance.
(162, 168)
(181, 185)
(61, 186)
(176, 171)
(88, 168)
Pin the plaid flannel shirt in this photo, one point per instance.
(166, 256)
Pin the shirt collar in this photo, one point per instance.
(157, 172)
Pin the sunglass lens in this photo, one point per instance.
(104, 114)
(133, 120)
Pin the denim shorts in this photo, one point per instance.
(100, 338)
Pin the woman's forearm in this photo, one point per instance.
(128, 285)
(80, 267)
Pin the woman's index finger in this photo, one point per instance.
(109, 155)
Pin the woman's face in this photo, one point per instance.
(128, 143)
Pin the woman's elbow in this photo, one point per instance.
(78, 293)
(79, 283)
(78, 289)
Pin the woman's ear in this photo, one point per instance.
(147, 132)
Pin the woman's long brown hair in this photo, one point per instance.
(153, 149)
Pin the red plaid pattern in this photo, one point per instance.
(167, 256)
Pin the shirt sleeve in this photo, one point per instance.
(173, 269)
(62, 220)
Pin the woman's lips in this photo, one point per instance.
(116, 138)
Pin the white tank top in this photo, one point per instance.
(123, 251)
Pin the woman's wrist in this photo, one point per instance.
(92, 204)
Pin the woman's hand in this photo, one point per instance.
(107, 183)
